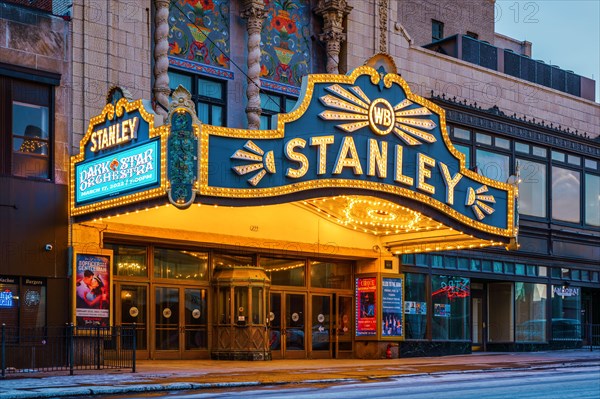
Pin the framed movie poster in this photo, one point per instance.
(366, 306)
(92, 290)
(392, 306)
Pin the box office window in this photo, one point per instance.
(129, 260)
(530, 312)
(415, 305)
(26, 130)
(288, 272)
(450, 297)
(180, 264)
(331, 275)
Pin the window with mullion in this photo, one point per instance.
(26, 125)
(207, 94)
(271, 104)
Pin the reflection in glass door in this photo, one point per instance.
(343, 328)
(287, 325)
(195, 327)
(321, 326)
(295, 331)
(132, 308)
(166, 316)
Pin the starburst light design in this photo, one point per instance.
(262, 162)
(477, 201)
(355, 106)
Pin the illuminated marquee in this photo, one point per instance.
(120, 160)
(363, 133)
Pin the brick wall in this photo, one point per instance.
(35, 40)
(459, 17)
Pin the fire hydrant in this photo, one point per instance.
(388, 352)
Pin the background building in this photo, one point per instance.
(243, 61)
(35, 138)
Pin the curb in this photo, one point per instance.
(188, 386)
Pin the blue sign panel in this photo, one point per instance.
(363, 133)
(117, 173)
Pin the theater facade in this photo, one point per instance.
(231, 243)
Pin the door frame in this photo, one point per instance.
(283, 352)
(321, 354)
(142, 354)
(180, 353)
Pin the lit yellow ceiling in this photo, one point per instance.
(401, 230)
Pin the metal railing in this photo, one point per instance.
(67, 348)
(591, 336)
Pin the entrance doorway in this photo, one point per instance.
(478, 317)
(180, 320)
(131, 308)
(287, 331)
(328, 335)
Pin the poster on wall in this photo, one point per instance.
(391, 308)
(92, 290)
(366, 306)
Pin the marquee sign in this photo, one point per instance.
(362, 133)
(120, 159)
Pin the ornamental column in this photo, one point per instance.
(161, 60)
(254, 12)
(333, 13)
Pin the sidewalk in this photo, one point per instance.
(169, 375)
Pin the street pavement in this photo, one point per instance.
(175, 375)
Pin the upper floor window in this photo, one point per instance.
(26, 129)
(208, 95)
(566, 194)
(271, 104)
(437, 30)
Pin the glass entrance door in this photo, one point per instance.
(287, 331)
(343, 328)
(321, 327)
(180, 317)
(131, 307)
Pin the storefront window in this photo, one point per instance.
(415, 306)
(500, 312)
(224, 306)
(180, 265)
(566, 311)
(530, 312)
(9, 301)
(566, 194)
(33, 305)
(129, 260)
(450, 302)
(592, 200)
(331, 275)
(532, 189)
(285, 271)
